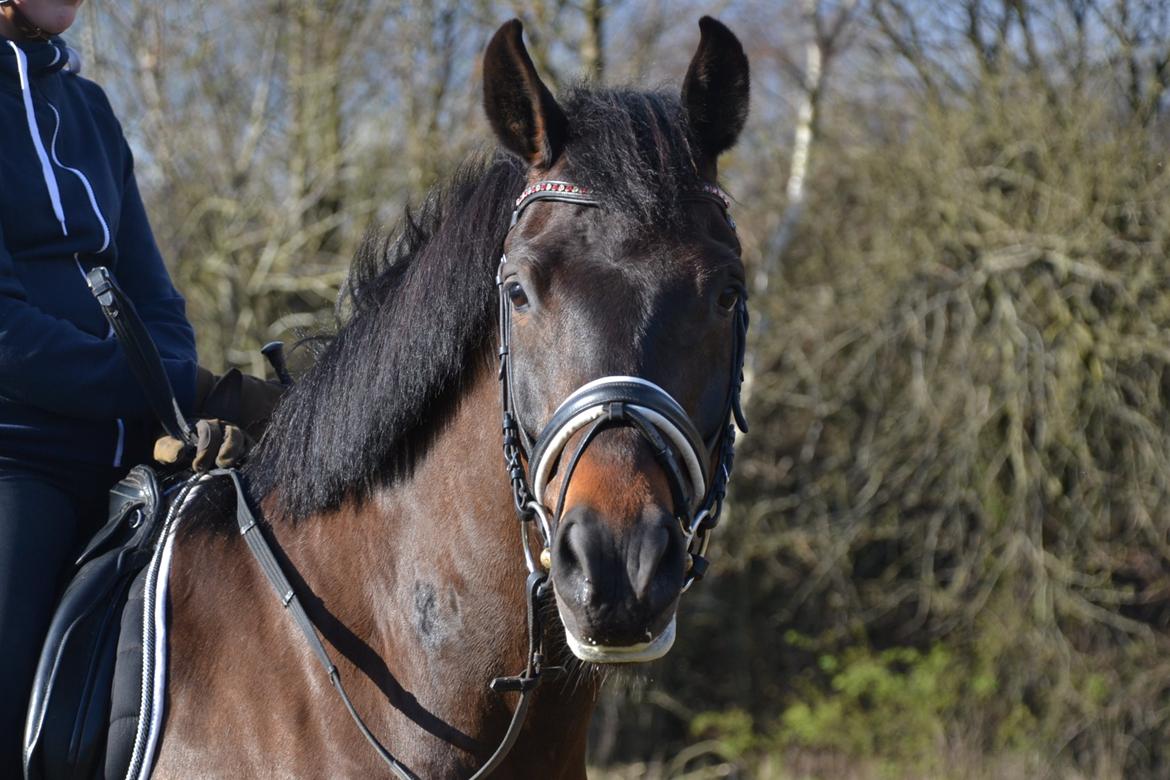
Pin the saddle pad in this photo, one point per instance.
(67, 724)
(126, 692)
(139, 690)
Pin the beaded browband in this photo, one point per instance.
(564, 191)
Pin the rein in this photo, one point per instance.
(524, 683)
(598, 405)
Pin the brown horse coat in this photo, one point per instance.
(380, 479)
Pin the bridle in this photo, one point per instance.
(618, 401)
(604, 403)
(598, 405)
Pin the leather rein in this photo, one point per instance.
(601, 404)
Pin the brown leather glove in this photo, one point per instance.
(233, 411)
(238, 398)
(218, 444)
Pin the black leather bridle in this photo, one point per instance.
(619, 401)
(598, 405)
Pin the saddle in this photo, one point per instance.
(97, 699)
(90, 694)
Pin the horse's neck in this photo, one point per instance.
(442, 597)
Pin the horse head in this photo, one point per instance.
(622, 320)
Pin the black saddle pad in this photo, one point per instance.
(126, 687)
(76, 700)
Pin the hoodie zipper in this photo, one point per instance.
(50, 177)
(50, 183)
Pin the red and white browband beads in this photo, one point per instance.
(575, 189)
(551, 186)
(712, 189)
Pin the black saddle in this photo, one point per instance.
(86, 696)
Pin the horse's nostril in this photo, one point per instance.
(577, 556)
(617, 583)
(644, 564)
(575, 552)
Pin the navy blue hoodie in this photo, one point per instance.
(69, 202)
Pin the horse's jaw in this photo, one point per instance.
(639, 653)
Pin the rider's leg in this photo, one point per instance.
(46, 515)
(38, 530)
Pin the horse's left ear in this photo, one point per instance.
(523, 113)
(715, 92)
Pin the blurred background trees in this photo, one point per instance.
(948, 550)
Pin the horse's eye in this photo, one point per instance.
(728, 298)
(517, 295)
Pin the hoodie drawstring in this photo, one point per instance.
(35, 133)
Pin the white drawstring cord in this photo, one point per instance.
(82, 178)
(35, 133)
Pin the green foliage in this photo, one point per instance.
(732, 731)
(891, 713)
(894, 701)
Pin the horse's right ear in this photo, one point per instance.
(522, 112)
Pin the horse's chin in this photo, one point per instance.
(623, 654)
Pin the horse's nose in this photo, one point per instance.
(618, 584)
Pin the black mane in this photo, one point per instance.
(422, 304)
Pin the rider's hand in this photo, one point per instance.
(233, 410)
(241, 399)
(218, 444)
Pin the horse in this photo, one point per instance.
(609, 340)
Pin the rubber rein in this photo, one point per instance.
(607, 402)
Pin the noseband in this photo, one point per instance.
(619, 401)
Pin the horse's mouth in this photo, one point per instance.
(642, 652)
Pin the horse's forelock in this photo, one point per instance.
(632, 149)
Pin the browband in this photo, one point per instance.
(566, 192)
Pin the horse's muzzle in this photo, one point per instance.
(617, 590)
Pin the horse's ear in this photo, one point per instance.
(522, 112)
(715, 92)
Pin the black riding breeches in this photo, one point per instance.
(43, 523)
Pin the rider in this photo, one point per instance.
(72, 416)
